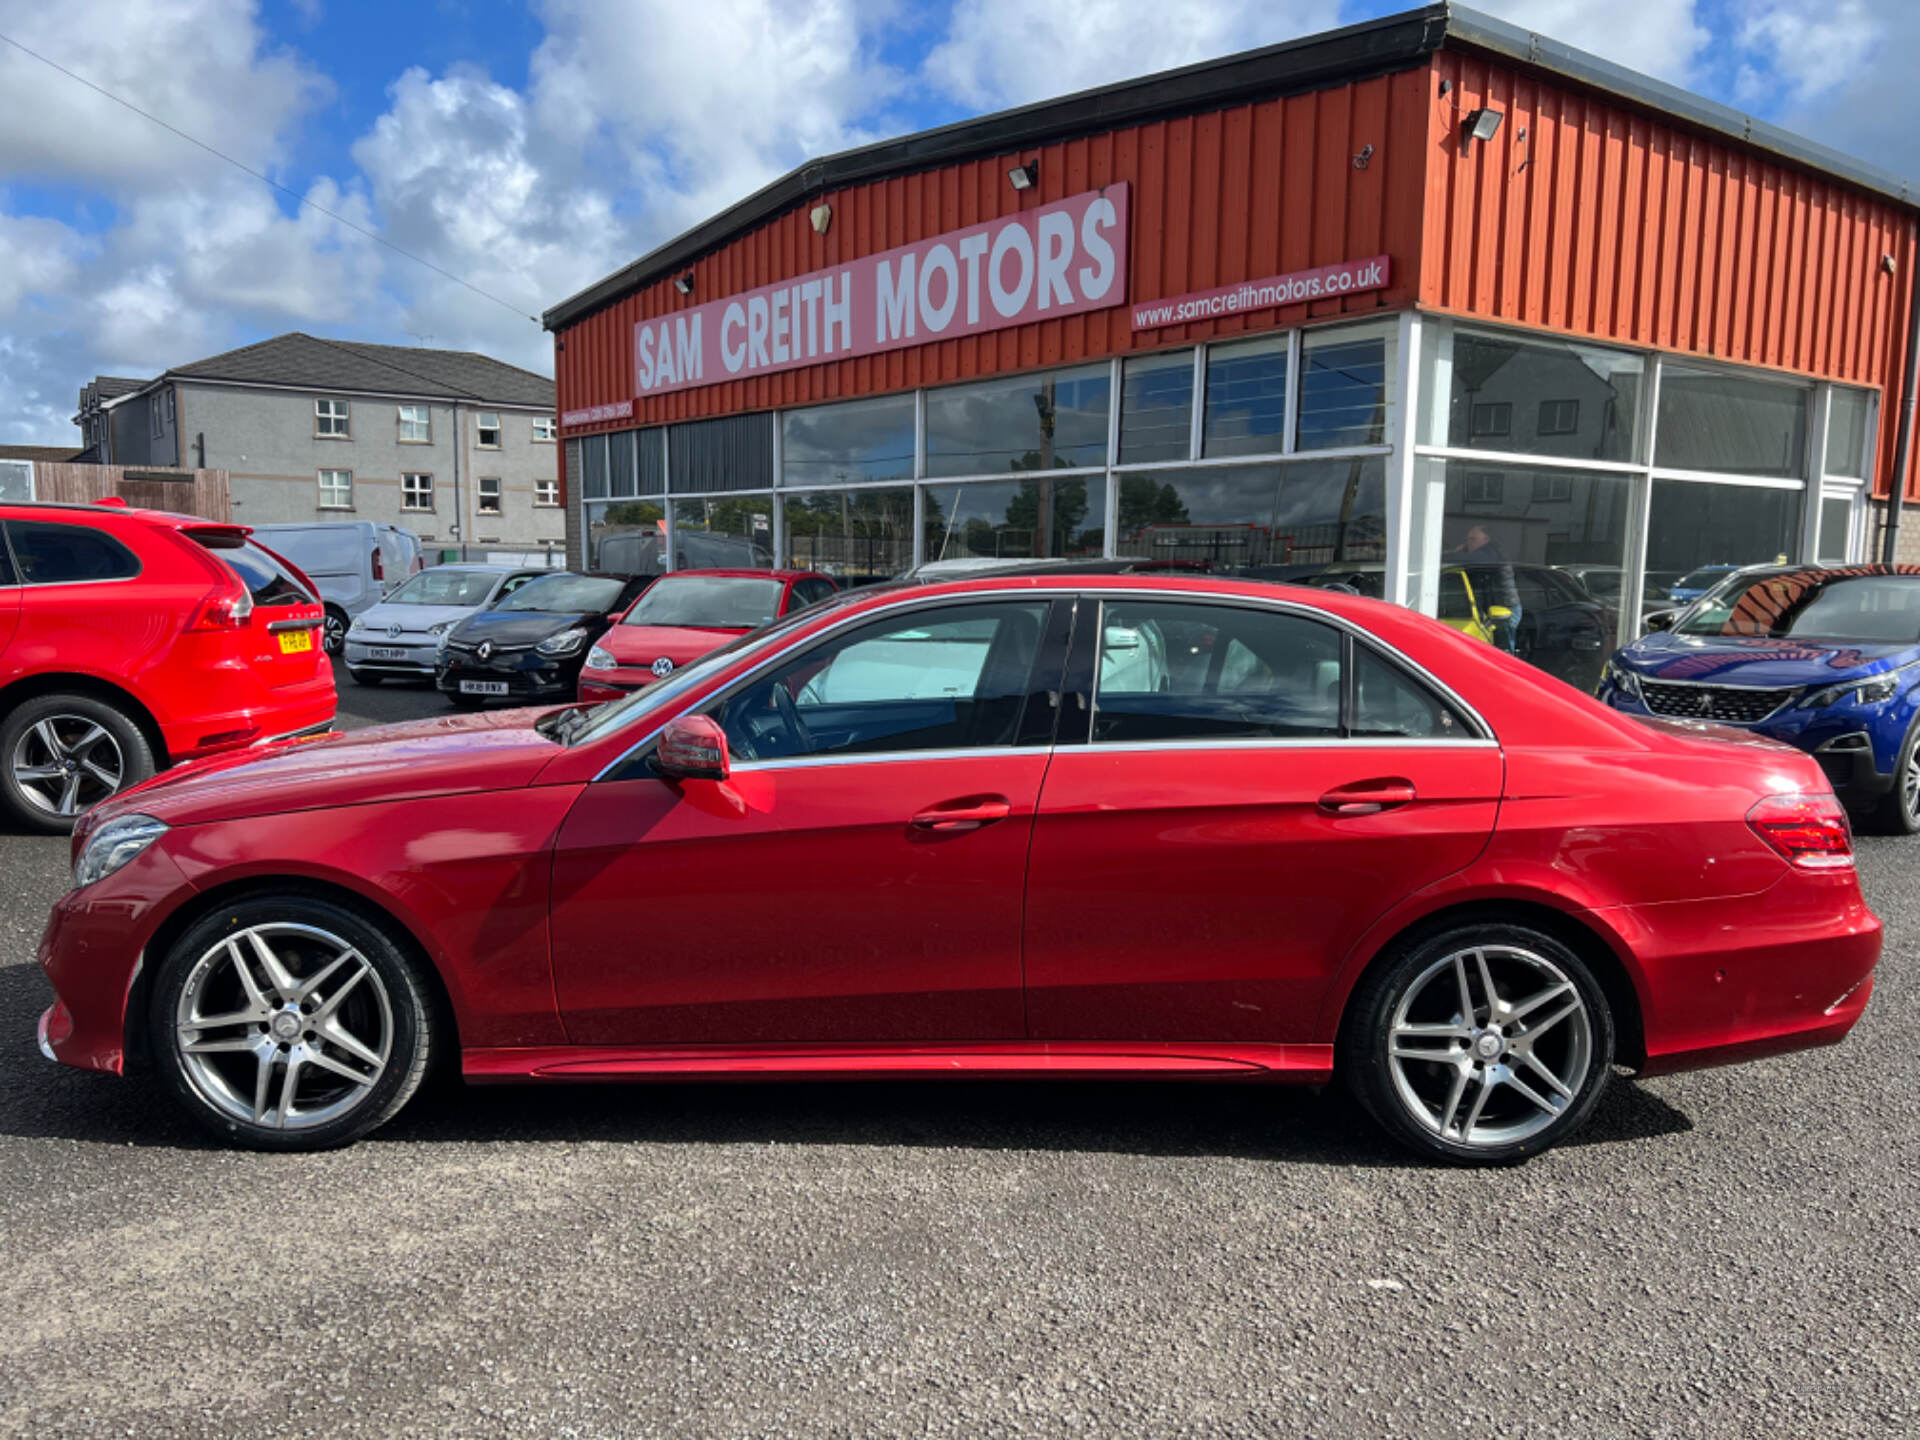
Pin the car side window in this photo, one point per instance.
(1388, 702)
(1181, 671)
(54, 554)
(950, 678)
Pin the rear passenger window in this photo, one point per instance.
(1172, 671)
(1388, 702)
(53, 554)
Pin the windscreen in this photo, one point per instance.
(1823, 605)
(564, 594)
(266, 578)
(445, 587)
(716, 602)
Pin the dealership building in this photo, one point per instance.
(1376, 305)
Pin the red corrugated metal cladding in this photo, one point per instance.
(1587, 217)
(1228, 195)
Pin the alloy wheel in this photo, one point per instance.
(1910, 785)
(1489, 1046)
(65, 764)
(333, 637)
(284, 1025)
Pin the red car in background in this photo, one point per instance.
(1034, 826)
(686, 614)
(133, 639)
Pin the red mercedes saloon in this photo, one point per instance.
(686, 614)
(1040, 825)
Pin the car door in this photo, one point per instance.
(9, 605)
(858, 877)
(1257, 785)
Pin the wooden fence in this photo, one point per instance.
(148, 487)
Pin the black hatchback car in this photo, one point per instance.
(531, 645)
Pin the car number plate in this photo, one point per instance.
(292, 642)
(384, 652)
(483, 687)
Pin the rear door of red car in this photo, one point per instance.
(1255, 787)
(858, 878)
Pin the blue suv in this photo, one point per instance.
(1823, 658)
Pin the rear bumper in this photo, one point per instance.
(1740, 979)
(293, 710)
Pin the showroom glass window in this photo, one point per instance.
(1246, 403)
(1836, 526)
(1029, 422)
(848, 444)
(723, 532)
(1728, 424)
(1291, 520)
(1043, 516)
(1156, 408)
(856, 536)
(1848, 416)
(1529, 396)
(1343, 390)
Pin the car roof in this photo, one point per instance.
(166, 519)
(745, 573)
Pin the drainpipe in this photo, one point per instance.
(459, 515)
(1903, 441)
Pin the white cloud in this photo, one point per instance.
(1802, 49)
(1010, 52)
(38, 257)
(1663, 38)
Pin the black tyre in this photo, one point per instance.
(364, 677)
(333, 634)
(290, 1022)
(60, 755)
(1899, 812)
(1479, 1045)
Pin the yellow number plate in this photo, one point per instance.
(292, 642)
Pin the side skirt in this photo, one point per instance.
(1003, 1059)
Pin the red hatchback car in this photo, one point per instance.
(132, 639)
(686, 614)
(1014, 826)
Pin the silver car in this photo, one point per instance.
(399, 637)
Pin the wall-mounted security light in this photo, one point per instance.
(1024, 177)
(822, 217)
(1480, 124)
(684, 284)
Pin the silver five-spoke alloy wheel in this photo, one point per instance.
(1489, 1045)
(284, 1025)
(64, 764)
(1910, 784)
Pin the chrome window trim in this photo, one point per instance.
(1486, 735)
(888, 757)
(1256, 742)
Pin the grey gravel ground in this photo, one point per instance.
(1731, 1253)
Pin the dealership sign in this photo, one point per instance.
(1328, 282)
(1058, 259)
(594, 414)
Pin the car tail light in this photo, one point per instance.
(379, 565)
(1809, 830)
(224, 609)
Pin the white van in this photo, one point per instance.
(353, 563)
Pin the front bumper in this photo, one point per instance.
(528, 675)
(617, 684)
(416, 660)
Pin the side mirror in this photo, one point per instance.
(1500, 612)
(693, 747)
(1658, 620)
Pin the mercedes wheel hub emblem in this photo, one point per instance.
(1489, 1045)
(286, 1025)
(663, 667)
(485, 652)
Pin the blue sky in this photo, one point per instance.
(532, 148)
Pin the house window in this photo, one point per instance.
(546, 492)
(155, 427)
(416, 492)
(336, 489)
(1486, 487)
(546, 428)
(1559, 417)
(1494, 417)
(1549, 488)
(488, 423)
(489, 494)
(330, 419)
(416, 425)
(169, 407)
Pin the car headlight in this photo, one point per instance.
(358, 627)
(565, 643)
(598, 658)
(1870, 691)
(440, 630)
(1622, 679)
(113, 845)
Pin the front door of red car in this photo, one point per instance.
(858, 877)
(1256, 788)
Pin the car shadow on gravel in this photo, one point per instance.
(39, 1100)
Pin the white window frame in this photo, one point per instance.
(325, 415)
(481, 497)
(546, 493)
(410, 496)
(546, 430)
(320, 478)
(480, 427)
(402, 420)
